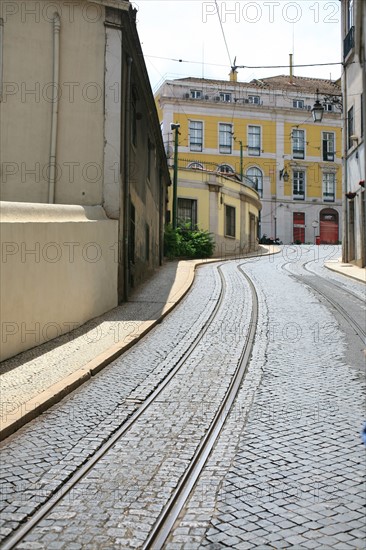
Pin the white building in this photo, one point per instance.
(354, 93)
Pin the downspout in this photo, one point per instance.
(55, 100)
(161, 216)
(126, 193)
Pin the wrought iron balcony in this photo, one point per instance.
(349, 42)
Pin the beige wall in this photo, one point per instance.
(58, 270)
(25, 109)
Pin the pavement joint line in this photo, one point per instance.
(32, 408)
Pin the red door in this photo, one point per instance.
(329, 229)
(299, 227)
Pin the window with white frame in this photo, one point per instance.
(329, 181)
(196, 94)
(229, 221)
(328, 146)
(256, 176)
(298, 103)
(255, 99)
(225, 169)
(225, 138)
(225, 97)
(195, 166)
(298, 189)
(298, 144)
(195, 135)
(328, 107)
(187, 212)
(254, 141)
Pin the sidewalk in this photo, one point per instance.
(350, 270)
(36, 379)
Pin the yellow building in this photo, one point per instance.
(264, 130)
(220, 204)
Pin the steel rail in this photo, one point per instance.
(361, 333)
(170, 512)
(332, 282)
(17, 536)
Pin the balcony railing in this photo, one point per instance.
(349, 42)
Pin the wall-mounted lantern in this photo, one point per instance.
(284, 175)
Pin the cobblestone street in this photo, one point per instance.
(287, 470)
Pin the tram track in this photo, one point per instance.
(359, 330)
(176, 502)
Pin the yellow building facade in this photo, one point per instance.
(223, 205)
(264, 131)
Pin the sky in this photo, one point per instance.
(257, 33)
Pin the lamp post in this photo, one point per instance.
(241, 160)
(175, 173)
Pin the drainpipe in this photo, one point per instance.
(55, 100)
(126, 193)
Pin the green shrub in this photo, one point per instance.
(184, 242)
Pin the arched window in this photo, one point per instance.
(256, 176)
(195, 165)
(225, 169)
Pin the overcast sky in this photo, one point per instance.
(258, 33)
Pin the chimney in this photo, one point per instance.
(233, 75)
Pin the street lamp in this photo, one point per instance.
(284, 175)
(175, 173)
(318, 109)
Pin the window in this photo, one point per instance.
(350, 18)
(229, 221)
(328, 107)
(225, 168)
(254, 141)
(298, 185)
(256, 176)
(350, 127)
(328, 187)
(298, 103)
(195, 135)
(225, 138)
(187, 212)
(196, 94)
(254, 99)
(298, 144)
(328, 146)
(195, 166)
(225, 97)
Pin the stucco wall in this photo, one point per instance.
(58, 270)
(26, 105)
(212, 192)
